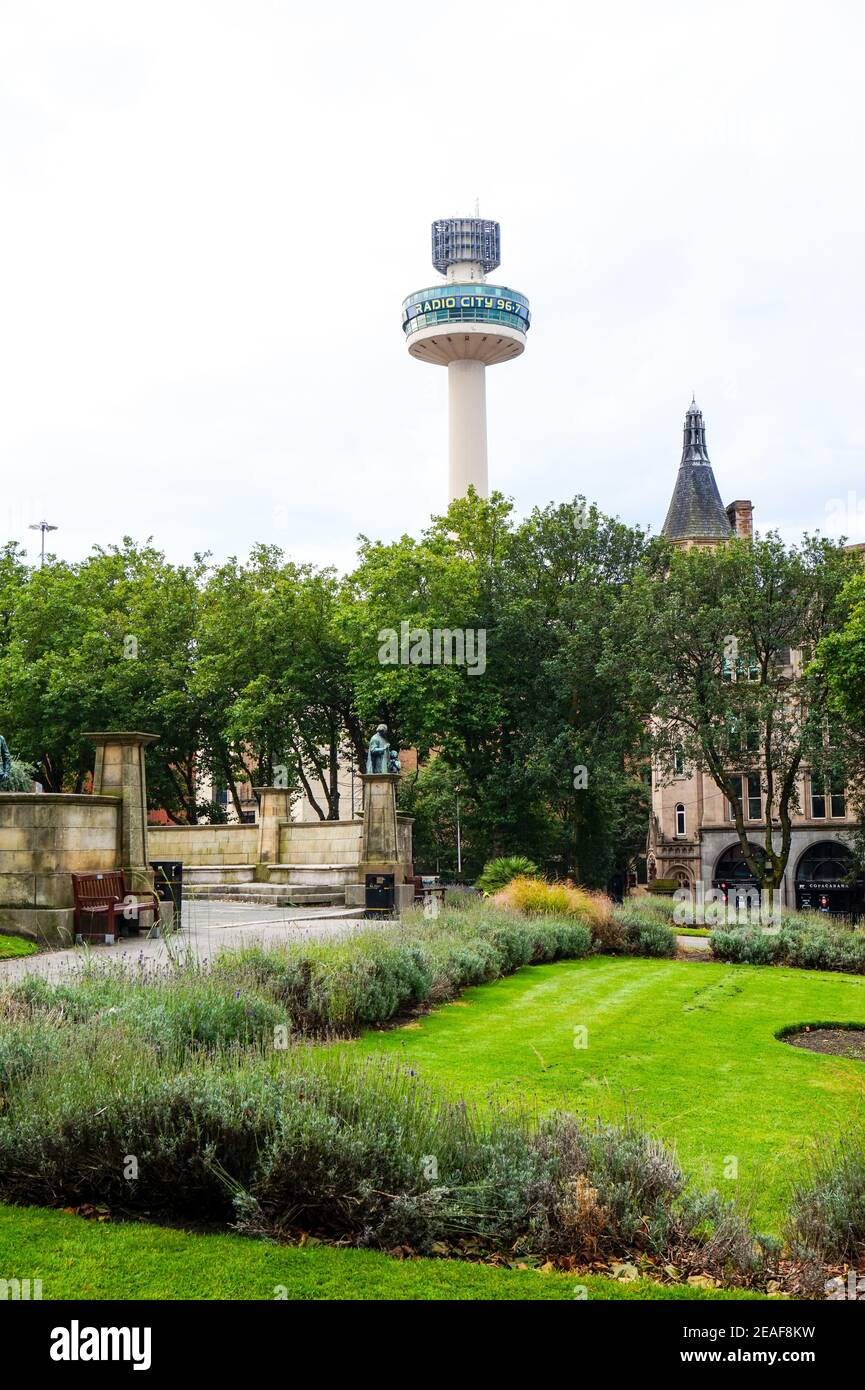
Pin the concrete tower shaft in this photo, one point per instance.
(466, 325)
(467, 428)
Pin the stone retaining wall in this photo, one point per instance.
(320, 842)
(44, 838)
(203, 844)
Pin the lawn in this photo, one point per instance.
(78, 1259)
(11, 946)
(688, 1046)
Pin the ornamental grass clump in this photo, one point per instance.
(535, 897)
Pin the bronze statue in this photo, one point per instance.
(380, 756)
(377, 752)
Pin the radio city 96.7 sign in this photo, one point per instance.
(468, 301)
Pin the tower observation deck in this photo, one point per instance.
(466, 325)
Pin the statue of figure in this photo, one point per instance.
(5, 763)
(380, 756)
(377, 753)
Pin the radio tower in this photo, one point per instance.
(466, 325)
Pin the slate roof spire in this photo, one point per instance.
(696, 512)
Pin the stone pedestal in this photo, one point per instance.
(119, 772)
(274, 805)
(380, 847)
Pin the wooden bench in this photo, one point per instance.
(106, 896)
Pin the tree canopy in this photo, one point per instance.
(726, 635)
(535, 664)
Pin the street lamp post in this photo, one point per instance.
(459, 836)
(42, 526)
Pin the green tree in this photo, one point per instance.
(714, 628)
(840, 658)
(106, 643)
(553, 693)
(273, 673)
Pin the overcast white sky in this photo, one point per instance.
(212, 210)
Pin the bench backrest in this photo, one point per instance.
(99, 888)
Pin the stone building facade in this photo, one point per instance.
(692, 835)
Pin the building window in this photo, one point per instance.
(818, 802)
(679, 761)
(837, 800)
(828, 798)
(752, 791)
(680, 819)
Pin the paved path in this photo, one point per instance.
(207, 927)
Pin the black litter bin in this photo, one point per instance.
(169, 886)
(379, 892)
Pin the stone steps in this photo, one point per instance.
(198, 875)
(264, 890)
(271, 894)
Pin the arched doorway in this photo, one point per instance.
(825, 882)
(733, 874)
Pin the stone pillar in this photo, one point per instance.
(380, 847)
(120, 772)
(274, 805)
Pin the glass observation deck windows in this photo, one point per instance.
(457, 304)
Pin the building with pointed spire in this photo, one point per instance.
(696, 515)
(692, 834)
